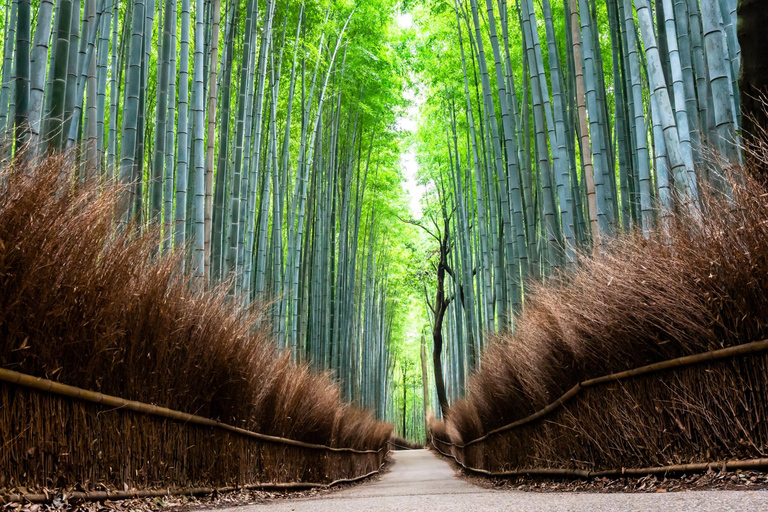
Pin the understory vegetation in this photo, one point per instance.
(89, 306)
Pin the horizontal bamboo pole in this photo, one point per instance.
(49, 386)
(157, 493)
(580, 473)
(714, 355)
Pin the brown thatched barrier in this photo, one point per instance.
(58, 436)
(687, 414)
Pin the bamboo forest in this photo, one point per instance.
(384, 193)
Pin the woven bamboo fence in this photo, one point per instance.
(54, 436)
(683, 415)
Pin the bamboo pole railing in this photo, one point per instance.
(761, 463)
(49, 386)
(714, 355)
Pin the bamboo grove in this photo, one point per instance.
(550, 127)
(257, 135)
(262, 138)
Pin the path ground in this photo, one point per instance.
(419, 481)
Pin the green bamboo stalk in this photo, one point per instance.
(483, 178)
(684, 37)
(663, 184)
(161, 119)
(114, 94)
(476, 166)
(58, 75)
(198, 95)
(542, 116)
(719, 79)
(182, 131)
(284, 303)
(236, 196)
(727, 16)
(699, 65)
(70, 91)
(306, 163)
(129, 135)
(9, 42)
(681, 112)
(38, 66)
(211, 136)
(266, 41)
(504, 288)
(510, 185)
(620, 113)
(85, 65)
(641, 141)
(599, 161)
(23, 42)
(170, 130)
(218, 238)
(90, 123)
(584, 139)
(685, 178)
(102, 52)
(562, 177)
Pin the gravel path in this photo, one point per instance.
(419, 481)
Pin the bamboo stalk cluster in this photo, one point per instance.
(253, 134)
(551, 128)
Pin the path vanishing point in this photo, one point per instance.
(417, 480)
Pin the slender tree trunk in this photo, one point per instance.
(405, 400)
(440, 307)
(424, 380)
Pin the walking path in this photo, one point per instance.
(419, 481)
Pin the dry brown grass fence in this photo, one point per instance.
(102, 309)
(699, 286)
(683, 415)
(56, 437)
